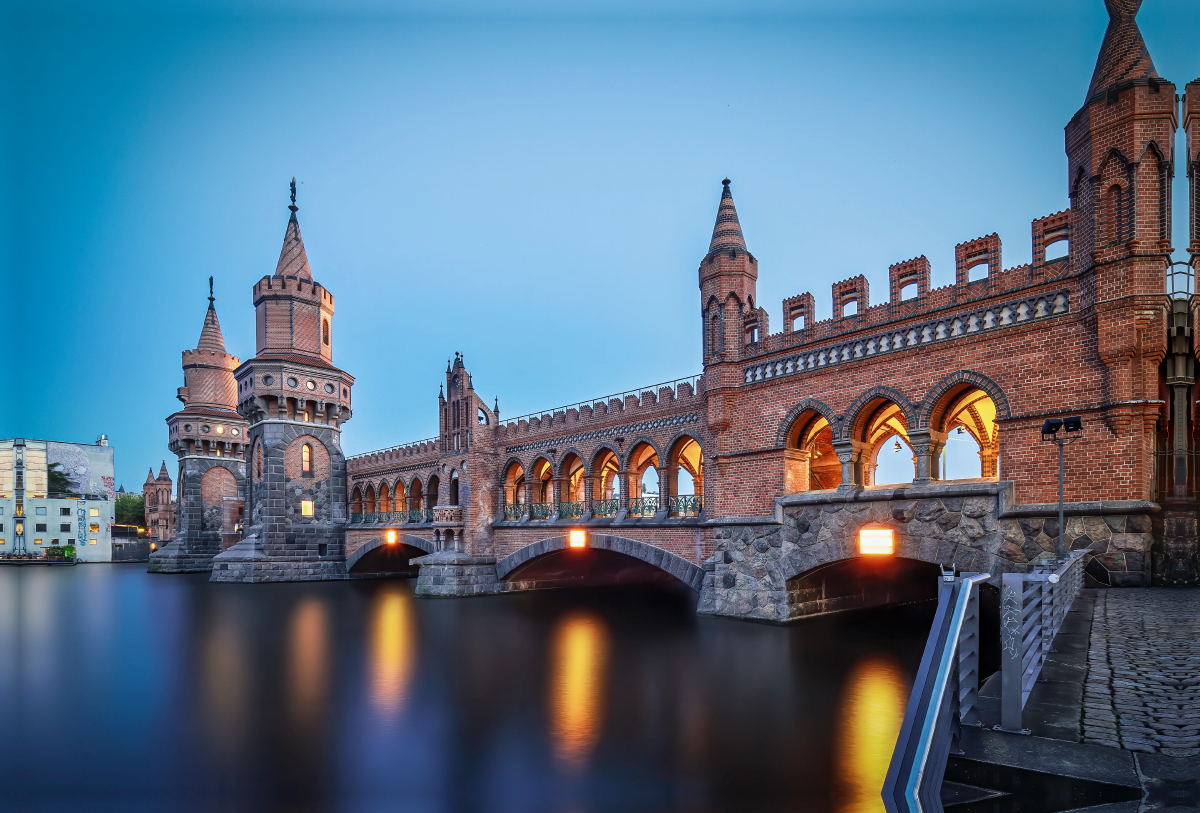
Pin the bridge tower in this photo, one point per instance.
(295, 402)
(209, 438)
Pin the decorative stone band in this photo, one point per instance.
(984, 320)
(658, 423)
(448, 513)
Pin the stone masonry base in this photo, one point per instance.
(168, 560)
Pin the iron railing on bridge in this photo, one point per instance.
(514, 511)
(1033, 607)
(606, 508)
(685, 505)
(643, 507)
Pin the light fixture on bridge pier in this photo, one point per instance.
(876, 542)
(391, 537)
(577, 539)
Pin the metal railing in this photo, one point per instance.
(541, 510)
(946, 688)
(1033, 607)
(399, 516)
(694, 380)
(356, 516)
(643, 507)
(685, 505)
(514, 511)
(606, 508)
(420, 515)
(571, 510)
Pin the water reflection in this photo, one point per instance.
(579, 654)
(870, 712)
(308, 662)
(226, 682)
(392, 648)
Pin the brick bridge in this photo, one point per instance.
(751, 482)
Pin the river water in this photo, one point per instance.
(121, 690)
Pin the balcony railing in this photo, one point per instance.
(685, 505)
(643, 507)
(369, 516)
(606, 508)
(541, 510)
(399, 516)
(420, 515)
(356, 517)
(571, 509)
(514, 511)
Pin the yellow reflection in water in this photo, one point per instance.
(579, 651)
(308, 659)
(393, 648)
(226, 682)
(869, 715)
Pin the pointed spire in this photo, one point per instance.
(211, 339)
(150, 474)
(727, 231)
(1123, 56)
(293, 261)
(162, 472)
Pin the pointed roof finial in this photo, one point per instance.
(211, 339)
(496, 408)
(293, 261)
(727, 231)
(1123, 54)
(441, 394)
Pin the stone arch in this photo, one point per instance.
(356, 500)
(383, 495)
(399, 495)
(785, 425)
(412, 540)
(664, 560)
(216, 486)
(935, 401)
(635, 443)
(852, 418)
(597, 454)
(541, 475)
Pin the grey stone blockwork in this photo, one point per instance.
(280, 543)
(967, 525)
(196, 540)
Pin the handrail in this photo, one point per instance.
(394, 448)
(694, 380)
(1033, 607)
(914, 777)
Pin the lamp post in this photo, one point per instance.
(1072, 430)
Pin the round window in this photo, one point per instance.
(312, 385)
(235, 431)
(268, 380)
(204, 428)
(329, 388)
(220, 430)
(187, 427)
(293, 382)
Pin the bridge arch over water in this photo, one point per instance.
(375, 550)
(520, 563)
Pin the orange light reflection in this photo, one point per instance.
(579, 653)
(393, 648)
(869, 715)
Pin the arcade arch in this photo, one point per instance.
(644, 481)
(814, 464)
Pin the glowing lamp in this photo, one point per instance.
(153, 546)
(391, 537)
(875, 541)
(577, 539)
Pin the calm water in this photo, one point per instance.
(125, 691)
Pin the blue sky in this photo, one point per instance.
(530, 183)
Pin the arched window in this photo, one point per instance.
(454, 488)
(325, 331)
(258, 459)
(306, 458)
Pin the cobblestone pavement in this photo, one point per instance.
(1143, 678)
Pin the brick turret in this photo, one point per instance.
(728, 278)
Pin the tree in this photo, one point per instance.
(57, 482)
(130, 509)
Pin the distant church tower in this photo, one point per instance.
(158, 505)
(295, 401)
(209, 438)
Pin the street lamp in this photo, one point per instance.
(1072, 430)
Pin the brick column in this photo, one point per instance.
(666, 486)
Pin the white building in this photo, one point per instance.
(55, 493)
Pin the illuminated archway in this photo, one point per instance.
(815, 464)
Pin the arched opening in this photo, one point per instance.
(388, 555)
(1114, 214)
(416, 501)
(454, 488)
(385, 501)
(325, 331)
(606, 484)
(814, 465)
(571, 504)
(861, 582)
(448, 541)
(1057, 249)
(542, 505)
(966, 416)
(369, 504)
(432, 492)
(306, 459)
(685, 473)
(604, 560)
(356, 505)
(883, 424)
(978, 271)
(399, 501)
(514, 491)
(644, 484)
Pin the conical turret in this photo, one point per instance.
(293, 261)
(1123, 55)
(162, 473)
(211, 339)
(208, 370)
(727, 231)
(150, 475)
